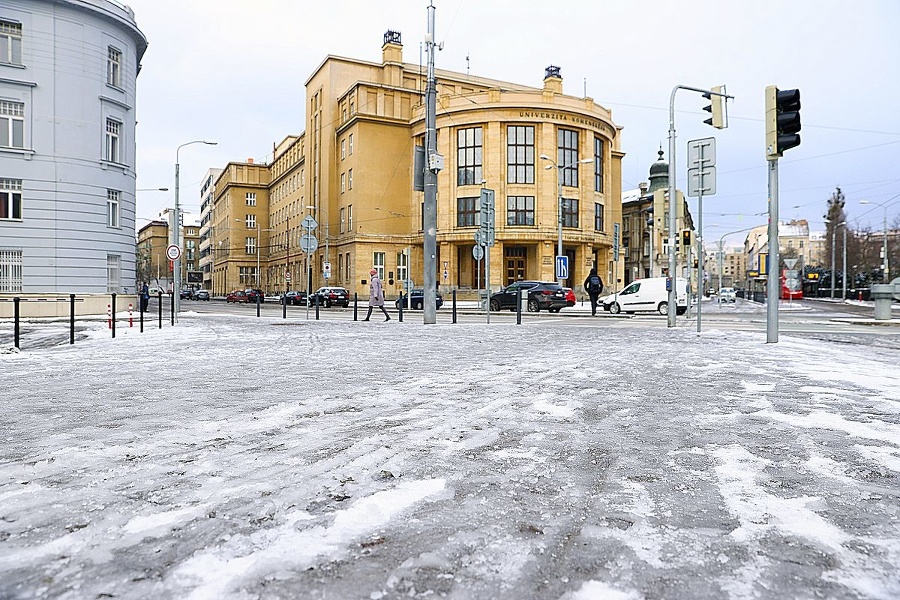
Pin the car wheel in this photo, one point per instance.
(663, 308)
(495, 305)
(533, 305)
(615, 308)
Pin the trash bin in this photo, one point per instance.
(883, 295)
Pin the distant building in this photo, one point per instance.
(68, 74)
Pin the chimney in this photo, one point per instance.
(552, 80)
(392, 48)
(249, 161)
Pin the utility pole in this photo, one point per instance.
(434, 163)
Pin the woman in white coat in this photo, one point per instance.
(376, 296)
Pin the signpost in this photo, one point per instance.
(701, 181)
(308, 244)
(485, 237)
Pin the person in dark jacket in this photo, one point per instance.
(145, 297)
(593, 285)
(376, 296)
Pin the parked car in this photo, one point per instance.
(330, 296)
(200, 295)
(542, 295)
(295, 298)
(571, 300)
(647, 294)
(185, 294)
(417, 299)
(253, 294)
(237, 296)
(727, 294)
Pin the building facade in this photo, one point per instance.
(352, 171)
(67, 168)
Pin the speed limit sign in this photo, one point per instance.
(287, 276)
(173, 252)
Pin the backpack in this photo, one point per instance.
(595, 284)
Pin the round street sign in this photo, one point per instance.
(287, 276)
(477, 252)
(173, 252)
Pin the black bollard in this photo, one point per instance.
(16, 321)
(355, 305)
(519, 307)
(71, 319)
(317, 307)
(159, 297)
(112, 315)
(257, 304)
(400, 310)
(454, 306)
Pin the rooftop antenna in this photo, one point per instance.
(467, 64)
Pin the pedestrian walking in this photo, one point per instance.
(594, 285)
(376, 296)
(145, 297)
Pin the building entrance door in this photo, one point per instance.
(516, 263)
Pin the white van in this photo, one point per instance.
(647, 295)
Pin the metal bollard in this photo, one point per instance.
(159, 295)
(130, 314)
(519, 308)
(71, 319)
(454, 306)
(113, 315)
(400, 310)
(16, 321)
(355, 306)
(317, 307)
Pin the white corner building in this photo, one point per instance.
(68, 76)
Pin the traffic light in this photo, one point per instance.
(782, 121)
(686, 238)
(716, 107)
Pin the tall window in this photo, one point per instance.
(378, 263)
(250, 221)
(570, 212)
(468, 156)
(350, 142)
(251, 198)
(350, 179)
(520, 154)
(343, 182)
(250, 245)
(113, 273)
(598, 164)
(520, 210)
(10, 270)
(402, 266)
(350, 218)
(113, 67)
(467, 212)
(112, 140)
(343, 149)
(112, 208)
(10, 199)
(343, 219)
(10, 43)
(598, 216)
(12, 124)
(567, 156)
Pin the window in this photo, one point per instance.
(468, 156)
(12, 124)
(250, 245)
(378, 263)
(520, 210)
(112, 140)
(344, 147)
(598, 216)
(598, 165)
(112, 208)
(10, 270)
(251, 198)
(350, 179)
(567, 156)
(350, 142)
(113, 273)
(10, 43)
(468, 212)
(343, 219)
(343, 182)
(520, 154)
(250, 221)
(350, 218)
(402, 266)
(10, 199)
(570, 212)
(340, 272)
(113, 67)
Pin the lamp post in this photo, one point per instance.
(884, 243)
(559, 205)
(176, 231)
(833, 244)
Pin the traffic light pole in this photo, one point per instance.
(773, 275)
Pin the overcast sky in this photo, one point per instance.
(233, 72)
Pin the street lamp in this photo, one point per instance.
(833, 266)
(176, 231)
(559, 211)
(884, 244)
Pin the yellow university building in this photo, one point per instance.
(352, 172)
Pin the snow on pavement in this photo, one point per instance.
(234, 457)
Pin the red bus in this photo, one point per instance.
(791, 286)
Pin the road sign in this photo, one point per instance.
(446, 275)
(326, 270)
(790, 262)
(562, 267)
(702, 153)
(477, 252)
(173, 252)
(616, 242)
(287, 276)
(702, 180)
(308, 243)
(309, 223)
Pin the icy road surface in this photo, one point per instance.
(239, 458)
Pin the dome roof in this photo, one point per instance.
(659, 173)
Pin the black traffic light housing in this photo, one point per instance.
(716, 107)
(686, 238)
(782, 121)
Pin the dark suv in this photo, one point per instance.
(330, 296)
(542, 295)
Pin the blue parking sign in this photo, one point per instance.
(562, 267)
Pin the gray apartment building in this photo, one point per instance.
(68, 77)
